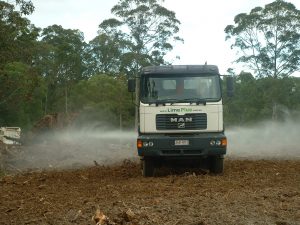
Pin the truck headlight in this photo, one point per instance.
(147, 144)
(141, 144)
(219, 142)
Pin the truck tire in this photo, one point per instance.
(147, 167)
(216, 164)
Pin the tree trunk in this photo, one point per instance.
(66, 100)
(274, 111)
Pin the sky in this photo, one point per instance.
(202, 25)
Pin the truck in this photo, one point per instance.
(180, 116)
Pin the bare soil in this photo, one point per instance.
(249, 192)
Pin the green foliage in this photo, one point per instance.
(56, 71)
(144, 32)
(262, 99)
(20, 88)
(20, 85)
(60, 62)
(18, 36)
(103, 99)
(103, 55)
(26, 7)
(268, 39)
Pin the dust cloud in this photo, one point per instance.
(76, 149)
(85, 147)
(266, 140)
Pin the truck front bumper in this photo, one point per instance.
(180, 145)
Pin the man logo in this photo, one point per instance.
(181, 125)
(181, 119)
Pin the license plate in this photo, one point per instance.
(182, 142)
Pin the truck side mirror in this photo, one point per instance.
(131, 85)
(229, 86)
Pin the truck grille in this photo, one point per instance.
(196, 121)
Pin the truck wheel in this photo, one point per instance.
(147, 168)
(216, 164)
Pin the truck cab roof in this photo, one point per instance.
(179, 69)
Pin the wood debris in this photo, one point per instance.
(100, 219)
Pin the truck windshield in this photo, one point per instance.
(180, 88)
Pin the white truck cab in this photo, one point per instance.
(180, 116)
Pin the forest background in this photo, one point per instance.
(53, 70)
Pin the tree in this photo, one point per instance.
(268, 39)
(258, 99)
(103, 55)
(243, 108)
(20, 95)
(103, 100)
(60, 62)
(25, 7)
(145, 30)
(17, 36)
(20, 85)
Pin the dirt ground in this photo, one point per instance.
(249, 192)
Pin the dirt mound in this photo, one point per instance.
(249, 192)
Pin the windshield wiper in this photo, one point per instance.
(174, 100)
(164, 101)
(195, 100)
(167, 100)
